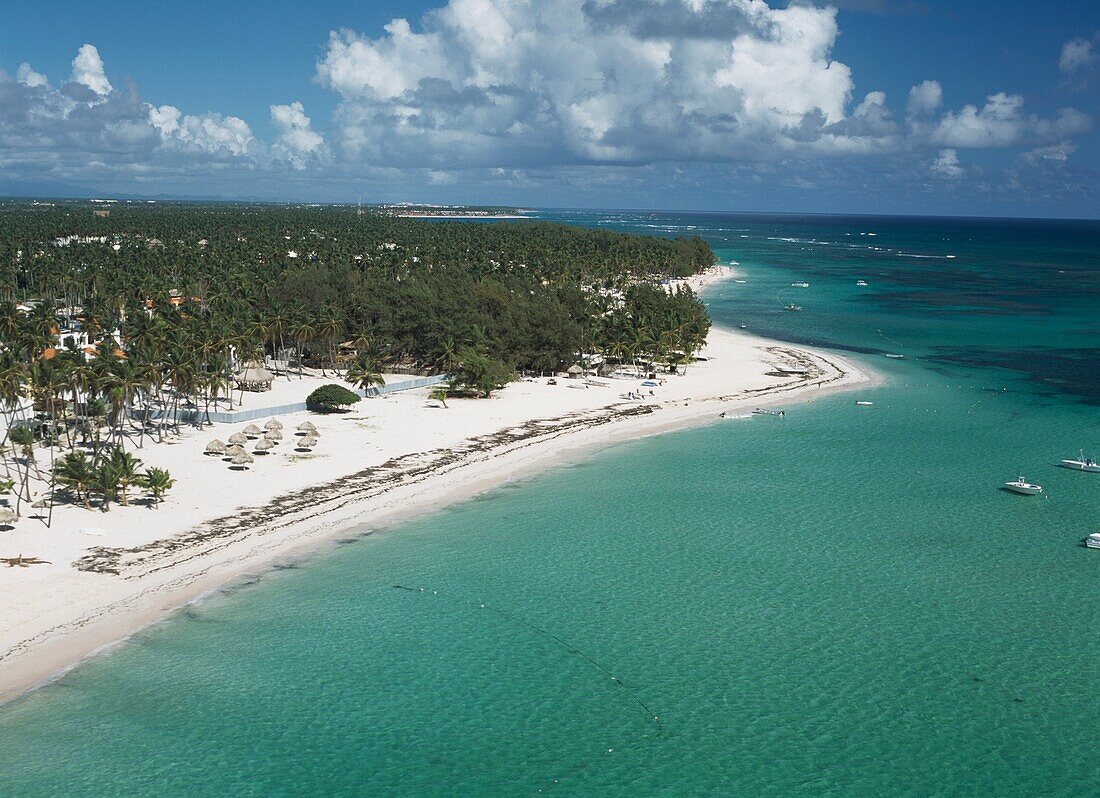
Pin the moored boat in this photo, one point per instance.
(1082, 463)
(1093, 541)
(861, 283)
(1023, 487)
(793, 306)
(800, 284)
(863, 403)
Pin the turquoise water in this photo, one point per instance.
(839, 603)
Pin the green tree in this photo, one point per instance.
(331, 398)
(158, 482)
(363, 372)
(479, 373)
(75, 471)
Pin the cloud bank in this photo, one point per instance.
(514, 87)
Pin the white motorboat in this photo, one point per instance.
(1082, 463)
(765, 412)
(1022, 486)
(800, 284)
(896, 357)
(740, 282)
(864, 403)
(1093, 541)
(861, 283)
(793, 306)
(743, 326)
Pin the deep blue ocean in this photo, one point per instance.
(840, 603)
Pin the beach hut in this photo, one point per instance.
(263, 446)
(215, 447)
(241, 461)
(273, 424)
(253, 431)
(574, 371)
(238, 439)
(254, 377)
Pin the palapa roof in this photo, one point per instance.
(274, 434)
(254, 372)
(238, 437)
(574, 369)
(273, 424)
(216, 446)
(252, 429)
(264, 444)
(235, 449)
(7, 516)
(243, 458)
(307, 426)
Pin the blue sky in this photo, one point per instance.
(695, 104)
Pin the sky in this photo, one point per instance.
(975, 107)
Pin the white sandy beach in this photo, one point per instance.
(389, 459)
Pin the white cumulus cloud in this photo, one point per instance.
(88, 70)
(28, 77)
(501, 82)
(1077, 55)
(297, 141)
(924, 99)
(947, 165)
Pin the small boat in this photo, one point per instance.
(1093, 541)
(800, 284)
(650, 383)
(864, 404)
(1082, 463)
(1022, 486)
(792, 306)
(896, 357)
(861, 283)
(765, 412)
(743, 326)
(742, 282)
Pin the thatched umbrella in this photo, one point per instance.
(241, 460)
(234, 450)
(7, 516)
(274, 435)
(308, 442)
(215, 447)
(307, 426)
(263, 446)
(238, 438)
(273, 424)
(253, 431)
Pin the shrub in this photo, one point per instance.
(331, 398)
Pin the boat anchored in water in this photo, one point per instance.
(861, 283)
(1093, 541)
(765, 412)
(793, 306)
(1082, 463)
(800, 284)
(1023, 487)
(863, 403)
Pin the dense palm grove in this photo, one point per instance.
(154, 307)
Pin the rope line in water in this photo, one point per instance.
(651, 716)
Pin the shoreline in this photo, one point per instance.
(152, 578)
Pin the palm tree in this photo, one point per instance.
(124, 467)
(158, 482)
(439, 394)
(75, 471)
(363, 373)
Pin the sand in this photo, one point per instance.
(390, 459)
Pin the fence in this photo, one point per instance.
(236, 416)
